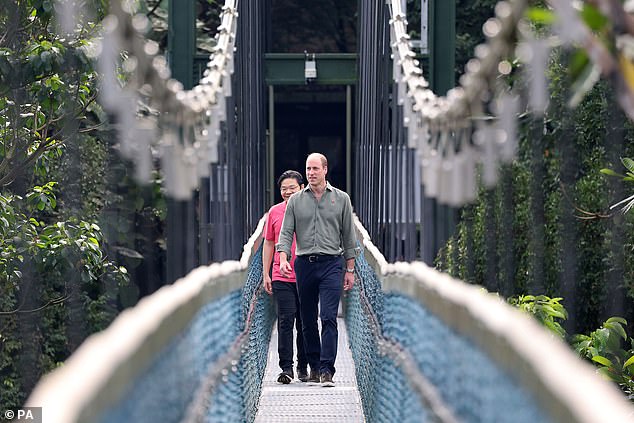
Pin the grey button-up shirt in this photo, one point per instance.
(324, 227)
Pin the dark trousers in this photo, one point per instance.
(320, 283)
(287, 306)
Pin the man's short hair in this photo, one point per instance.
(324, 160)
(290, 174)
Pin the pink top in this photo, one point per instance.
(272, 233)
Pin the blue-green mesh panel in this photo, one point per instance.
(165, 390)
(236, 399)
(362, 341)
(468, 381)
(253, 360)
(396, 401)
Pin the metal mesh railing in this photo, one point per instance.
(436, 349)
(194, 351)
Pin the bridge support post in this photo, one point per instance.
(182, 236)
(181, 41)
(442, 61)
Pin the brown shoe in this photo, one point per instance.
(313, 379)
(302, 375)
(326, 380)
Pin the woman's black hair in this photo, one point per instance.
(290, 174)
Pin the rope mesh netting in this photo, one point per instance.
(221, 357)
(383, 326)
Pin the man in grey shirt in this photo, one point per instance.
(320, 216)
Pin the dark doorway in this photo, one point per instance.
(310, 119)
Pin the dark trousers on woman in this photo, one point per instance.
(320, 282)
(287, 306)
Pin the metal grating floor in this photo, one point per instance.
(300, 402)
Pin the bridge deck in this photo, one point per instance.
(300, 402)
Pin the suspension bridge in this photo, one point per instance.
(416, 344)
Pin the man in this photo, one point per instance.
(283, 287)
(321, 218)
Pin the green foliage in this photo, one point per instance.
(608, 348)
(55, 253)
(55, 269)
(574, 202)
(548, 311)
(470, 16)
(47, 85)
(605, 348)
(42, 198)
(628, 163)
(207, 22)
(606, 37)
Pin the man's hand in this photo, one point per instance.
(348, 281)
(285, 266)
(268, 287)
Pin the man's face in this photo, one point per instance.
(289, 187)
(315, 171)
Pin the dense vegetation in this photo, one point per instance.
(547, 228)
(79, 239)
(63, 193)
(546, 237)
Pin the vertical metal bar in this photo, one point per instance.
(174, 240)
(424, 26)
(428, 225)
(205, 220)
(213, 211)
(181, 45)
(441, 62)
(397, 184)
(348, 139)
(191, 239)
(271, 149)
(412, 180)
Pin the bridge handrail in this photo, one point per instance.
(565, 386)
(69, 395)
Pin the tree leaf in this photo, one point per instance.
(593, 17)
(602, 360)
(610, 172)
(617, 328)
(629, 362)
(617, 320)
(578, 62)
(628, 163)
(540, 15)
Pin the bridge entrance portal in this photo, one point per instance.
(309, 118)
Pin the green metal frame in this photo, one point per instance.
(181, 40)
(442, 63)
(332, 69)
(442, 45)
